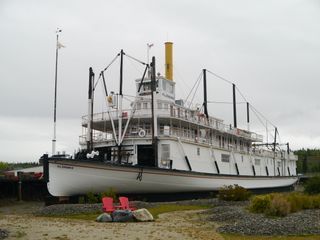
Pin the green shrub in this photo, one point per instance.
(279, 206)
(312, 186)
(92, 198)
(110, 193)
(259, 204)
(233, 193)
(299, 201)
(316, 201)
(82, 200)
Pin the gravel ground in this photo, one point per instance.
(187, 225)
(68, 209)
(63, 209)
(233, 217)
(238, 220)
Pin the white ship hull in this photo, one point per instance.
(68, 178)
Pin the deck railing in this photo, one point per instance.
(177, 113)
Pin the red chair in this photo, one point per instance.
(107, 205)
(125, 205)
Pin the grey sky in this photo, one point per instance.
(270, 49)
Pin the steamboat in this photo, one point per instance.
(160, 144)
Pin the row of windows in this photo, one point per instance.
(165, 155)
(165, 86)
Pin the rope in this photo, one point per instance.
(262, 115)
(241, 94)
(137, 60)
(113, 60)
(195, 92)
(97, 82)
(198, 79)
(218, 76)
(226, 102)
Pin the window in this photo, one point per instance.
(145, 105)
(159, 105)
(219, 138)
(225, 157)
(198, 151)
(170, 88)
(257, 161)
(138, 106)
(165, 106)
(165, 153)
(146, 86)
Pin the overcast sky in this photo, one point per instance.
(269, 49)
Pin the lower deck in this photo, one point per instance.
(174, 153)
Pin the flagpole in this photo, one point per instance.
(55, 97)
(149, 45)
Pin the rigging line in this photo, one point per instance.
(134, 65)
(198, 79)
(195, 91)
(113, 60)
(226, 102)
(218, 76)
(253, 110)
(137, 97)
(262, 116)
(97, 81)
(143, 63)
(241, 94)
(128, 99)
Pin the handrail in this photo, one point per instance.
(199, 119)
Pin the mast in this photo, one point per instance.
(274, 151)
(120, 106)
(234, 106)
(55, 96)
(248, 116)
(90, 111)
(153, 119)
(275, 139)
(205, 102)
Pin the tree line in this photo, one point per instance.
(308, 160)
(6, 166)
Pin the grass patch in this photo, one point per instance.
(20, 234)
(241, 237)
(165, 208)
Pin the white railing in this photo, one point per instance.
(179, 113)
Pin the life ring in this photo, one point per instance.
(142, 133)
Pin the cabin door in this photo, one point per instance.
(146, 156)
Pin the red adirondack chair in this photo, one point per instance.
(107, 205)
(125, 205)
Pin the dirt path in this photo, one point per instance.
(174, 225)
